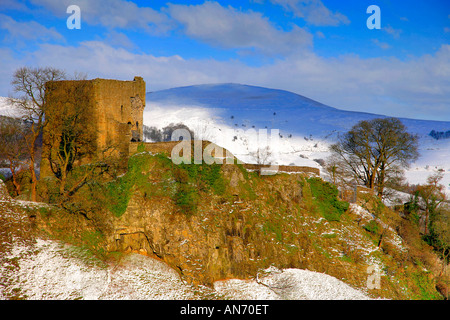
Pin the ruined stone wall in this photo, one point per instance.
(280, 168)
(114, 110)
(120, 106)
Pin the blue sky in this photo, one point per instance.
(321, 49)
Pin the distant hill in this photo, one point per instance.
(271, 108)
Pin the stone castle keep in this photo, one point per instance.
(115, 112)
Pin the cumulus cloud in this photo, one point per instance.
(382, 45)
(233, 29)
(419, 87)
(395, 33)
(313, 11)
(210, 22)
(13, 5)
(112, 14)
(29, 30)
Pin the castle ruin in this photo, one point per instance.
(114, 110)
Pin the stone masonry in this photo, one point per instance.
(115, 111)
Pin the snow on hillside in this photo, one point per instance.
(227, 113)
(289, 284)
(240, 141)
(49, 270)
(6, 109)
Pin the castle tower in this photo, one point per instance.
(113, 110)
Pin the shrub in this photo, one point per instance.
(205, 177)
(372, 227)
(193, 178)
(326, 199)
(118, 194)
(186, 198)
(119, 191)
(141, 147)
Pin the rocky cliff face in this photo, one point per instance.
(223, 239)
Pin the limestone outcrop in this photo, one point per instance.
(225, 238)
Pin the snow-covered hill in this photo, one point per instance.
(278, 109)
(227, 113)
(7, 110)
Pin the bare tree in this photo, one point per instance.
(262, 156)
(433, 195)
(441, 227)
(71, 137)
(167, 131)
(373, 147)
(335, 168)
(13, 146)
(29, 84)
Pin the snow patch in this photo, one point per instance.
(289, 284)
(50, 270)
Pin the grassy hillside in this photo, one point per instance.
(212, 222)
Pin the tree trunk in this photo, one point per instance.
(372, 181)
(14, 177)
(32, 150)
(16, 185)
(380, 240)
(33, 178)
(381, 182)
(62, 185)
(426, 220)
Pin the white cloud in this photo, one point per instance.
(30, 30)
(382, 45)
(320, 35)
(395, 33)
(119, 39)
(419, 87)
(112, 14)
(234, 29)
(225, 27)
(313, 11)
(12, 5)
